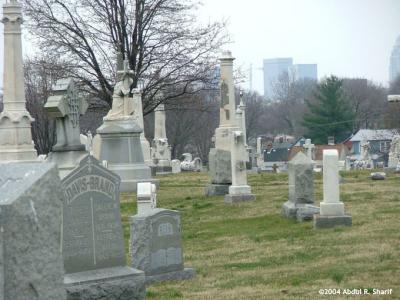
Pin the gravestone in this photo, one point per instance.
(301, 189)
(239, 190)
(310, 149)
(176, 166)
(156, 244)
(65, 106)
(93, 244)
(332, 209)
(31, 265)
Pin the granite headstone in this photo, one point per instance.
(93, 244)
(31, 265)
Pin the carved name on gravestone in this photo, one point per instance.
(92, 230)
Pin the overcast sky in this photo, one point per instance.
(351, 38)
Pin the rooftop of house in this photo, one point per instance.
(374, 135)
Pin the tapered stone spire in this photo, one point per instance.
(15, 121)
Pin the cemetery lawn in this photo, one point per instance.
(248, 251)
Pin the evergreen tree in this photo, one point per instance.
(331, 113)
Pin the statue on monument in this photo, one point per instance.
(122, 105)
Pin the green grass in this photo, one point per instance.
(249, 251)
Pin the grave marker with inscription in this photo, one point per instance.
(156, 245)
(92, 244)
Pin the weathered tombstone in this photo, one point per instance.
(239, 190)
(119, 137)
(394, 154)
(31, 265)
(301, 189)
(15, 121)
(93, 244)
(219, 158)
(176, 166)
(66, 106)
(191, 165)
(332, 209)
(156, 244)
(161, 153)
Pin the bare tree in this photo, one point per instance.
(40, 75)
(161, 39)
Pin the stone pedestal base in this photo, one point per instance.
(66, 161)
(332, 209)
(121, 148)
(123, 283)
(163, 170)
(321, 222)
(216, 190)
(301, 212)
(239, 198)
(187, 273)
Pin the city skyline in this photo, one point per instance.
(345, 38)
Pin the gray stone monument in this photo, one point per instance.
(120, 137)
(219, 158)
(66, 106)
(31, 265)
(15, 121)
(156, 244)
(301, 189)
(332, 209)
(92, 243)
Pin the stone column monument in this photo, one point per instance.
(260, 154)
(138, 113)
(15, 121)
(239, 190)
(241, 122)
(220, 157)
(120, 137)
(161, 153)
(66, 106)
(332, 209)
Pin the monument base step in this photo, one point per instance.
(123, 283)
(301, 212)
(186, 273)
(239, 198)
(160, 170)
(322, 222)
(216, 190)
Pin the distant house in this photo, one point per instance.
(276, 156)
(379, 141)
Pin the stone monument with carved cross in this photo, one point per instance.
(309, 148)
(120, 143)
(241, 123)
(15, 121)
(66, 106)
(160, 151)
(220, 157)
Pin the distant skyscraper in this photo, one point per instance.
(394, 69)
(273, 69)
(303, 71)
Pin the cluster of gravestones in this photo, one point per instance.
(61, 235)
(228, 174)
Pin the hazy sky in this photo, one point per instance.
(352, 38)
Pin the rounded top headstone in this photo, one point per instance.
(300, 159)
(331, 153)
